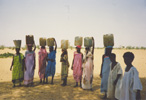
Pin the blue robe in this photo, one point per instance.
(105, 74)
(50, 69)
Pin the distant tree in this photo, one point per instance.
(38, 47)
(137, 48)
(2, 47)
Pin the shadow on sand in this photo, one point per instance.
(55, 91)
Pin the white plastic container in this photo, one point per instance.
(17, 43)
(88, 42)
(78, 41)
(29, 39)
(64, 44)
(108, 40)
(50, 41)
(42, 41)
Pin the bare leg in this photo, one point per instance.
(105, 96)
(81, 83)
(76, 84)
(47, 80)
(13, 85)
(52, 79)
(40, 80)
(20, 84)
(66, 81)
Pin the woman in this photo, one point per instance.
(77, 65)
(88, 68)
(42, 63)
(29, 65)
(51, 60)
(64, 68)
(105, 69)
(18, 67)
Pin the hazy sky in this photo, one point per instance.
(65, 19)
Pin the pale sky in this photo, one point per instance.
(65, 19)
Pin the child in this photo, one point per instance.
(114, 79)
(18, 67)
(105, 68)
(131, 84)
(88, 67)
(77, 66)
(42, 63)
(51, 59)
(65, 66)
(29, 65)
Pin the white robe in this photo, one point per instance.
(87, 71)
(114, 91)
(130, 84)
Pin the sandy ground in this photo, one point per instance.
(57, 92)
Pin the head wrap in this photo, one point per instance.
(78, 46)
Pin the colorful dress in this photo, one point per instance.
(50, 69)
(105, 74)
(130, 84)
(87, 71)
(42, 63)
(77, 66)
(18, 70)
(64, 67)
(114, 91)
(29, 64)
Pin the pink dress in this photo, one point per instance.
(42, 63)
(29, 63)
(77, 66)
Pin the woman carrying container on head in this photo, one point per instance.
(105, 67)
(64, 67)
(77, 65)
(18, 65)
(88, 67)
(51, 60)
(42, 60)
(29, 62)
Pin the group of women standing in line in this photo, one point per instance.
(112, 83)
(82, 66)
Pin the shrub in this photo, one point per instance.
(2, 47)
(5, 55)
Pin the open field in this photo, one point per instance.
(53, 92)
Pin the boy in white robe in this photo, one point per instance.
(131, 84)
(114, 80)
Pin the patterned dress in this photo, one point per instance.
(42, 63)
(64, 67)
(87, 71)
(29, 63)
(18, 72)
(77, 66)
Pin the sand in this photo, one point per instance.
(57, 92)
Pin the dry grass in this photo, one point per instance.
(55, 92)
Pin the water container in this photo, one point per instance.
(29, 39)
(88, 42)
(108, 40)
(78, 41)
(17, 43)
(42, 41)
(50, 41)
(64, 44)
